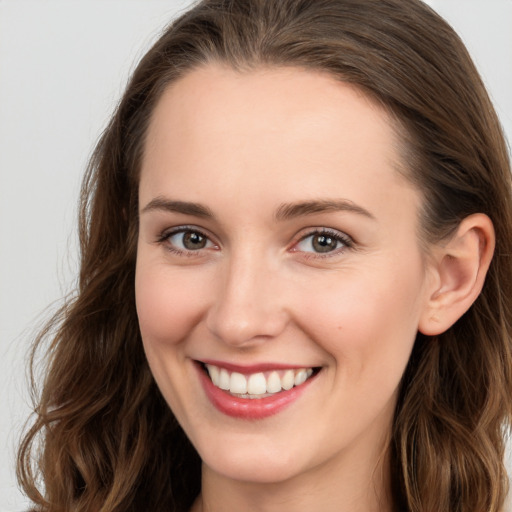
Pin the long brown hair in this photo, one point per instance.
(103, 439)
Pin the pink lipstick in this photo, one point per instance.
(285, 385)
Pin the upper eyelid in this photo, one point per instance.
(330, 231)
(348, 244)
(163, 239)
(304, 233)
(165, 233)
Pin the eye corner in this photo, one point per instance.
(334, 241)
(186, 241)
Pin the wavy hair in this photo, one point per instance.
(104, 440)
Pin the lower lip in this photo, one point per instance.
(249, 408)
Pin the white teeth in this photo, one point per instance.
(214, 373)
(300, 377)
(257, 384)
(238, 383)
(273, 383)
(288, 379)
(224, 379)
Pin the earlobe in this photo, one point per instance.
(459, 267)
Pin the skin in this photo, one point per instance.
(242, 145)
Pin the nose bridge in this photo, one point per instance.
(248, 306)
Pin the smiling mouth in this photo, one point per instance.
(259, 384)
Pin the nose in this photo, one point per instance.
(248, 308)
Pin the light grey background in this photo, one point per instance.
(63, 65)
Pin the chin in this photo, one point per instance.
(258, 467)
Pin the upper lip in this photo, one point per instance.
(254, 368)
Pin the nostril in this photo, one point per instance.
(245, 325)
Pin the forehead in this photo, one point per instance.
(270, 131)
(214, 99)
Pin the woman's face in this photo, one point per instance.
(278, 243)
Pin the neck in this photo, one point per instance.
(352, 485)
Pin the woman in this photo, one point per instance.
(295, 285)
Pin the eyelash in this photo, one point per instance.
(166, 235)
(339, 237)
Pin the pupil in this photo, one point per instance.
(324, 243)
(193, 240)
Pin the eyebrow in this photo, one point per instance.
(185, 207)
(291, 210)
(285, 211)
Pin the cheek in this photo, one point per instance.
(168, 305)
(367, 323)
(167, 309)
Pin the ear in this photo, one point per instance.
(458, 268)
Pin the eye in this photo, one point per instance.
(323, 241)
(186, 240)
